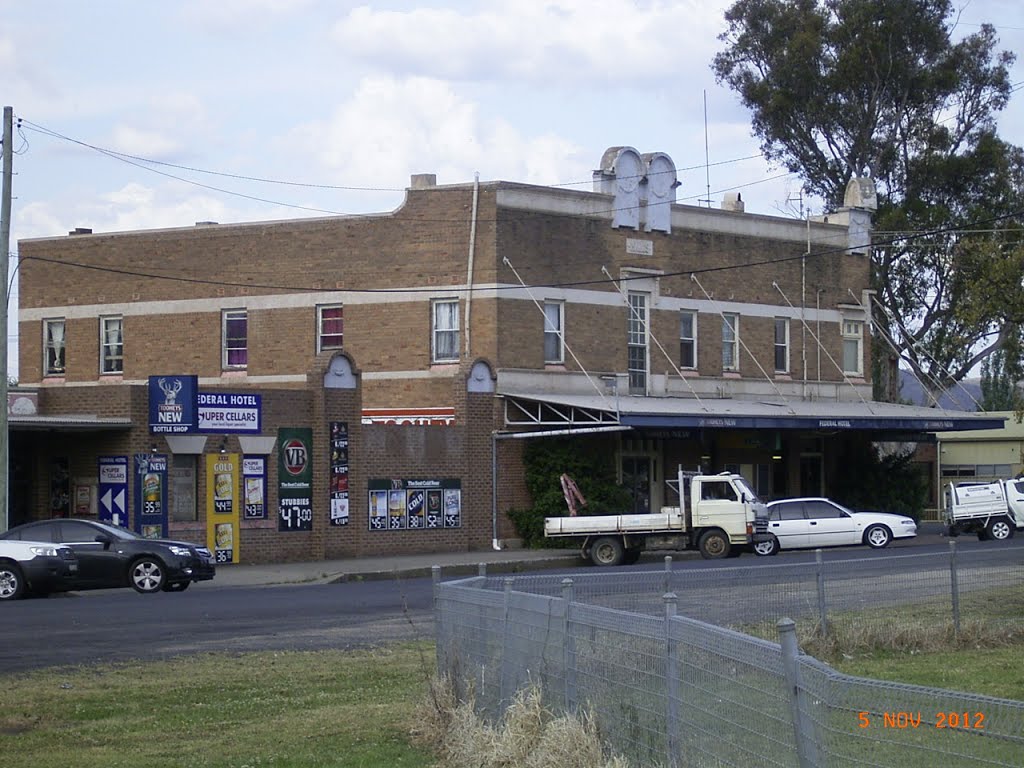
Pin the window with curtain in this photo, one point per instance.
(53, 347)
(329, 327)
(445, 343)
(730, 342)
(235, 325)
(554, 312)
(111, 345)
(781, 345)
(688, 339)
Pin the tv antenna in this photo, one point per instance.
(707, 156)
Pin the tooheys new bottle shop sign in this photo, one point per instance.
(176, 406)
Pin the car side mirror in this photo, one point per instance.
(103, 539)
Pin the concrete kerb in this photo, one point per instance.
(461, 569)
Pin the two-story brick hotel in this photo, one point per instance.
(354, 385)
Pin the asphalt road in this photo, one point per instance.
(118, 625)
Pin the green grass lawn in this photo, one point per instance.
(282, 709)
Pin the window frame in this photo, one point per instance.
(320, 321)
(435, 357)
(690, 340)
(48, 346)
(855, 337)
(781, 346)
(732, 344)
(557, 334)
(226, 316)
(105, 345)
(638, 342)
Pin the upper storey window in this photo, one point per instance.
(445, 341)
(53, 347)
(111, 345)
(329, 327)
(730, 342)
(235, 335)
(554, 316)
(853, 347)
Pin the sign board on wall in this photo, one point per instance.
(398, 505)
(172, 404)
(113, 490)
(424, 416)
(227, 412)
(222, 528)
(151, 495)
(254, 487)
(295, 479)
(339, 473)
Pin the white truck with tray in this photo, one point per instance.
(991, 510)
(720, 515)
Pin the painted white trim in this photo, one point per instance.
(489, 291)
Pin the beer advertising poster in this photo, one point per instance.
(295, 479)
(223, 471)
(150, 495)
(339, 473)
(112, 493)
(254, 487)
(397, 505)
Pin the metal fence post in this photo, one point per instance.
(954, 586)
(569, 648)
(481, 570)
(506, 648)
(802, 731)
(673, 726)
(440, 654)
(822, 605)
(668, 574)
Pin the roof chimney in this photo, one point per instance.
(80, 231)
(423, 180)
(733, 201)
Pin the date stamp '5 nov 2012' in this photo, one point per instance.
(974, 721)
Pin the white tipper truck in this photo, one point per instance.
(991, 510)
(720, 515)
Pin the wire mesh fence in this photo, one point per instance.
(701, 668)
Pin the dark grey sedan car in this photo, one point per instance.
(109, 556)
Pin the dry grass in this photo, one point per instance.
(528, 736)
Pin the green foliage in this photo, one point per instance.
(840, 88)
(881, 483)
(589, 462)
(999, 376)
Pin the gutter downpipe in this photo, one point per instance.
(496, 436)
(472, 254)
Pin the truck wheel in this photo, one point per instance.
(12, 584)
(607, 550)
(714, 545)
(1000, 529)
(767, 548)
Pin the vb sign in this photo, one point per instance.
(172, 404)
(295, 457)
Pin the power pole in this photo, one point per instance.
(5, 251)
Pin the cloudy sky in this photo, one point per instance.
(144, 114)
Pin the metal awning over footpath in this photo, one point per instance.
(67, 423)
(568, 410)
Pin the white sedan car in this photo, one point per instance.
(815, 522)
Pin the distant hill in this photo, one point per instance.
(956, 399)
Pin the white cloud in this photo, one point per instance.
(150, 144)
(610, 41)
(391, 128)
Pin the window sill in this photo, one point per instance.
(731, 375)
(443, 364)
(119, 376)
(554, 366)
(689, 372)
(234, 373)
(53, 378)
(782, 376)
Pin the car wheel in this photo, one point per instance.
(12, 583)
(999, 529)
(714, 545)
(877, 536)
(607, 550)
(176, 586)
(147, 575)
(767, 548)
